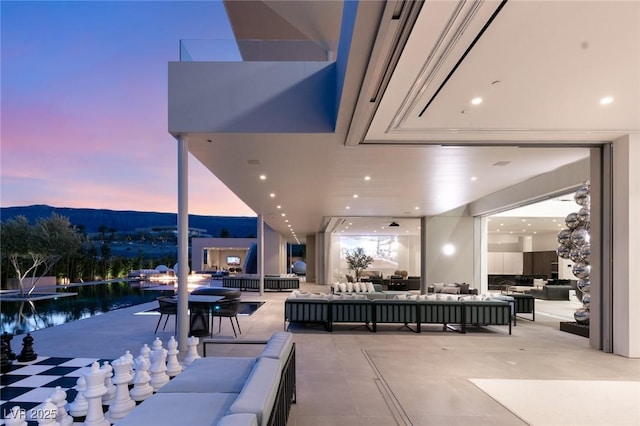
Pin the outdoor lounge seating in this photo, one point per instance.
(328, 311)
(252, 282)
(226, 391)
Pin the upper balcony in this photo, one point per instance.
(231, 50)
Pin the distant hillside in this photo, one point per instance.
(128, 221)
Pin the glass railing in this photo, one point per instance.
(203, 50)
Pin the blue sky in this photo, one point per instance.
(84, 104)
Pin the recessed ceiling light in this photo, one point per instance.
(286, 221)
(278, 206)
(282, 214)
(355, 195)
(367, 178)
(523, 220)
(347, 207)
(263, 177)
(476, 101)
(272, 195)
(606, 100)
(474, 178)
(416, 208)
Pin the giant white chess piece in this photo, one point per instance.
(48, 412)
(16, 417)
(93, 394)
(79, 406)
(192, 350)
(159, 376)
(122, 404)
(108, 397)
(173, 366)
(141, 387)
(59, 398)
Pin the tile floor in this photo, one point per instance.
(394, 376)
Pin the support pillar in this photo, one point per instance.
(182, 331)
(261, 252)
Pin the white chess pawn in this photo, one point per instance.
(59, 398)
(159, 376)
(80, 405)
(173, 366)
(192, 350)
(157, 344)
(108, 397)
(129, 357)
(122, 404)
(49, 413)
(145, 351)
(16, 417)
(141, 387)
(93, 394)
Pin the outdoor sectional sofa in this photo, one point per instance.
(227, 391)
(252, 282)
(329, 310)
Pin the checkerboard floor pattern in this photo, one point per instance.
(29, 384)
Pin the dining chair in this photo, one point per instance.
(166, 306)
(229, 310)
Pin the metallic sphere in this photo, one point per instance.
(582, 196)
(564, 236)
(572, 220)
(581, 270)
(586, 300)
(584, 285)
(574, 254)
(563, 251)
(580, 237)
(585, 252)
(584, 215)
(582, 316)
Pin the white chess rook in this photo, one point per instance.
(93, 394)
(159, 376)
(141, 387)
(122, 404)
(173, 366)
(192, 350)
(59, 398)
(79, 406)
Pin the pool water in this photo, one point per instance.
(19, 317)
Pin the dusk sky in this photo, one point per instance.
(84, 105)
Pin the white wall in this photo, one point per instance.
(455, 230)
(626, 246)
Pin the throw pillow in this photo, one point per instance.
(400, 297)
(343, 287)
(371, 288)
(450, 290)
(464, 288)
(437, 287)
(356, 287)
(349, 287)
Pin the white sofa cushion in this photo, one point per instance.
(240, 419)
(213, 374)
(278, 346)
(259, 392)
(171, 409)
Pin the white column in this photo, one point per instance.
(261, 252)
(626, 246)
(183, 243)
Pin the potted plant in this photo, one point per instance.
(358, 261)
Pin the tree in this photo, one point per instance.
(358, 261)
(32, 250)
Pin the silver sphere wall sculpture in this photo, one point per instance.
(575, 245)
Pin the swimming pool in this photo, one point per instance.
(20, 317)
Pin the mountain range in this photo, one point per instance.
(128, 221)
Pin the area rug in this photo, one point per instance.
(567, 402)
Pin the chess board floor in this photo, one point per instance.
(29, 384)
